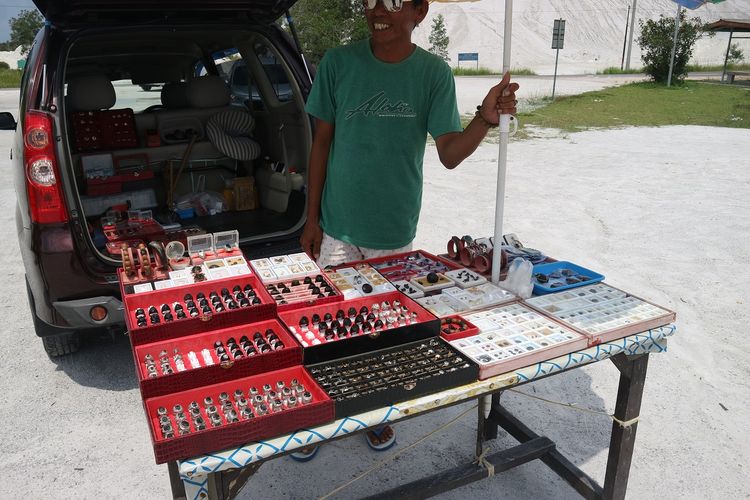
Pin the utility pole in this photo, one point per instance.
(625, 39)
(630, 45)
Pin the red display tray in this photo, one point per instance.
(392, 273)
(468, 332)
(308, 302)
(202, 323)
(426, 325)
(191, 378)
(114, 183)
(180, 447)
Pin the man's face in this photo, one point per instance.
(390, 27)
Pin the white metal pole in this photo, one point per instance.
(502, 155)
(630, 43)
(674, 44)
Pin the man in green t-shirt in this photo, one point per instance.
(374, 103)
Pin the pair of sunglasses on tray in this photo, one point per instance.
(390, 5)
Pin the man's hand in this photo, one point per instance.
(500, 100)
(310, 240)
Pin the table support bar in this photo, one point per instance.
(468, 473)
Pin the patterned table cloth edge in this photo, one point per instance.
(193, 472)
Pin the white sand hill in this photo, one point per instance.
(594, 32)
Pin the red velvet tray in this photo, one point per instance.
(404, 275)
(203, 323)
(426, 325)
(319, 411)
(290, 355)
(113, 184)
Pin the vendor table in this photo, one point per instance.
(222, 474)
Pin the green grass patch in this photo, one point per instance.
(698, 68)
(614, 70)
(646, 104)
(482, 71)
(10, 78)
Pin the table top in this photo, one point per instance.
(193, 472)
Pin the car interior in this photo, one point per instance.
(156, 132)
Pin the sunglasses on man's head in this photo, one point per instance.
(390, 5)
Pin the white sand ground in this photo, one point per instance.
(662, 212)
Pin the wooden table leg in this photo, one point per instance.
(627, 408)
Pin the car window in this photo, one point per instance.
(232, 70)
(274, 71)
(138, 97)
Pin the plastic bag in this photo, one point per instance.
(519, 280)
(204, 202)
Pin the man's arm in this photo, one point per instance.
(455, 147)
(316, 178)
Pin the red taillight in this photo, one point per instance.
(45, 197)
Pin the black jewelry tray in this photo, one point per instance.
(383, 378)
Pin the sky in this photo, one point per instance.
(8, 9)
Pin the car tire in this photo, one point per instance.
(61, 344)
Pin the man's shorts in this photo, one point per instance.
(335, 252)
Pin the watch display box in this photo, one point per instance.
(199, 349)
(174, 440)
(513, 336)
(602, 312)
(360, 325)
(388, 376)
(207, 318)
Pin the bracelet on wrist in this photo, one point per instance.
(478, 114)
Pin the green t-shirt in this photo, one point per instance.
(382, 113)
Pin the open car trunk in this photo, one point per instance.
(158, 161)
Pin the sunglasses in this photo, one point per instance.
(390, 5)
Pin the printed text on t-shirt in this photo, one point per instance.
(379, 105)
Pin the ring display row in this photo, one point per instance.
(224, 409)
(193, 307)
(378, 372)
(308, 288)
(332, 326)
(259, 343)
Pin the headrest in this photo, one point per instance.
(174, 95)
(90, 93)
(208, 91)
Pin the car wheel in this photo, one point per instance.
(61, 344)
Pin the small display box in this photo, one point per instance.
(356, 326)
(455, 300)
(359, 280)
(216, 356)
(602, 312)
(513, 336)
(218, 416)
(175, 312)
(386, 377)
(457, 327)
(283, 267)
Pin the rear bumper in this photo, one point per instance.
(76, 314)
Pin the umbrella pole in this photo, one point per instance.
(502, 156)
(674, 44)
(502, 159)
